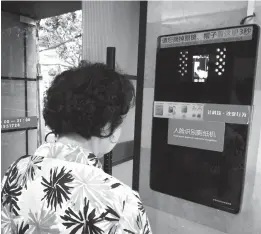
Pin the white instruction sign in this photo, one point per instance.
(208, 37)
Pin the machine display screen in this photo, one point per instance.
(193, 146)
(200, 68)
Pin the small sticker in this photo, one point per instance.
(159, 109)
(178, 110)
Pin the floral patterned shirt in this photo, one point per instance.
(63, 189)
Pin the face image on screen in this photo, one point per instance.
(200, 68)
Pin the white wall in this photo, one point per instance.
(116, 24)
(109, 23)
(169, 214)
(128, 124)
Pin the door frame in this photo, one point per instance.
(139, 94)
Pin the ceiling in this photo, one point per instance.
(40, 9)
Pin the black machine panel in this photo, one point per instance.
(201, 70)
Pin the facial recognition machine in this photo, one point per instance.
(202, 113)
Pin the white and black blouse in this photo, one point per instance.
(63, 189)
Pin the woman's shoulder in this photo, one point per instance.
(85, 174)
(94, 183)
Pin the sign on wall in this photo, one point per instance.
(199, 125)
(197, 134)
(19, 123)
(208, 37)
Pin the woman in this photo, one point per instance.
(62, 187)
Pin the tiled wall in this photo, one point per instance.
(169, 214)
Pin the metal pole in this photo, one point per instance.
(110, 61)
(26, 87)
(110, 57)
(139, 95)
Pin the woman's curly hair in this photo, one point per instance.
(85, 99)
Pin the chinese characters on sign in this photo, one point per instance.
(228, 33)
(181, 38)
(214, 112)
(237, 114)
(228, 113)
(19, 123)
(194, 132)
(217, 36)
